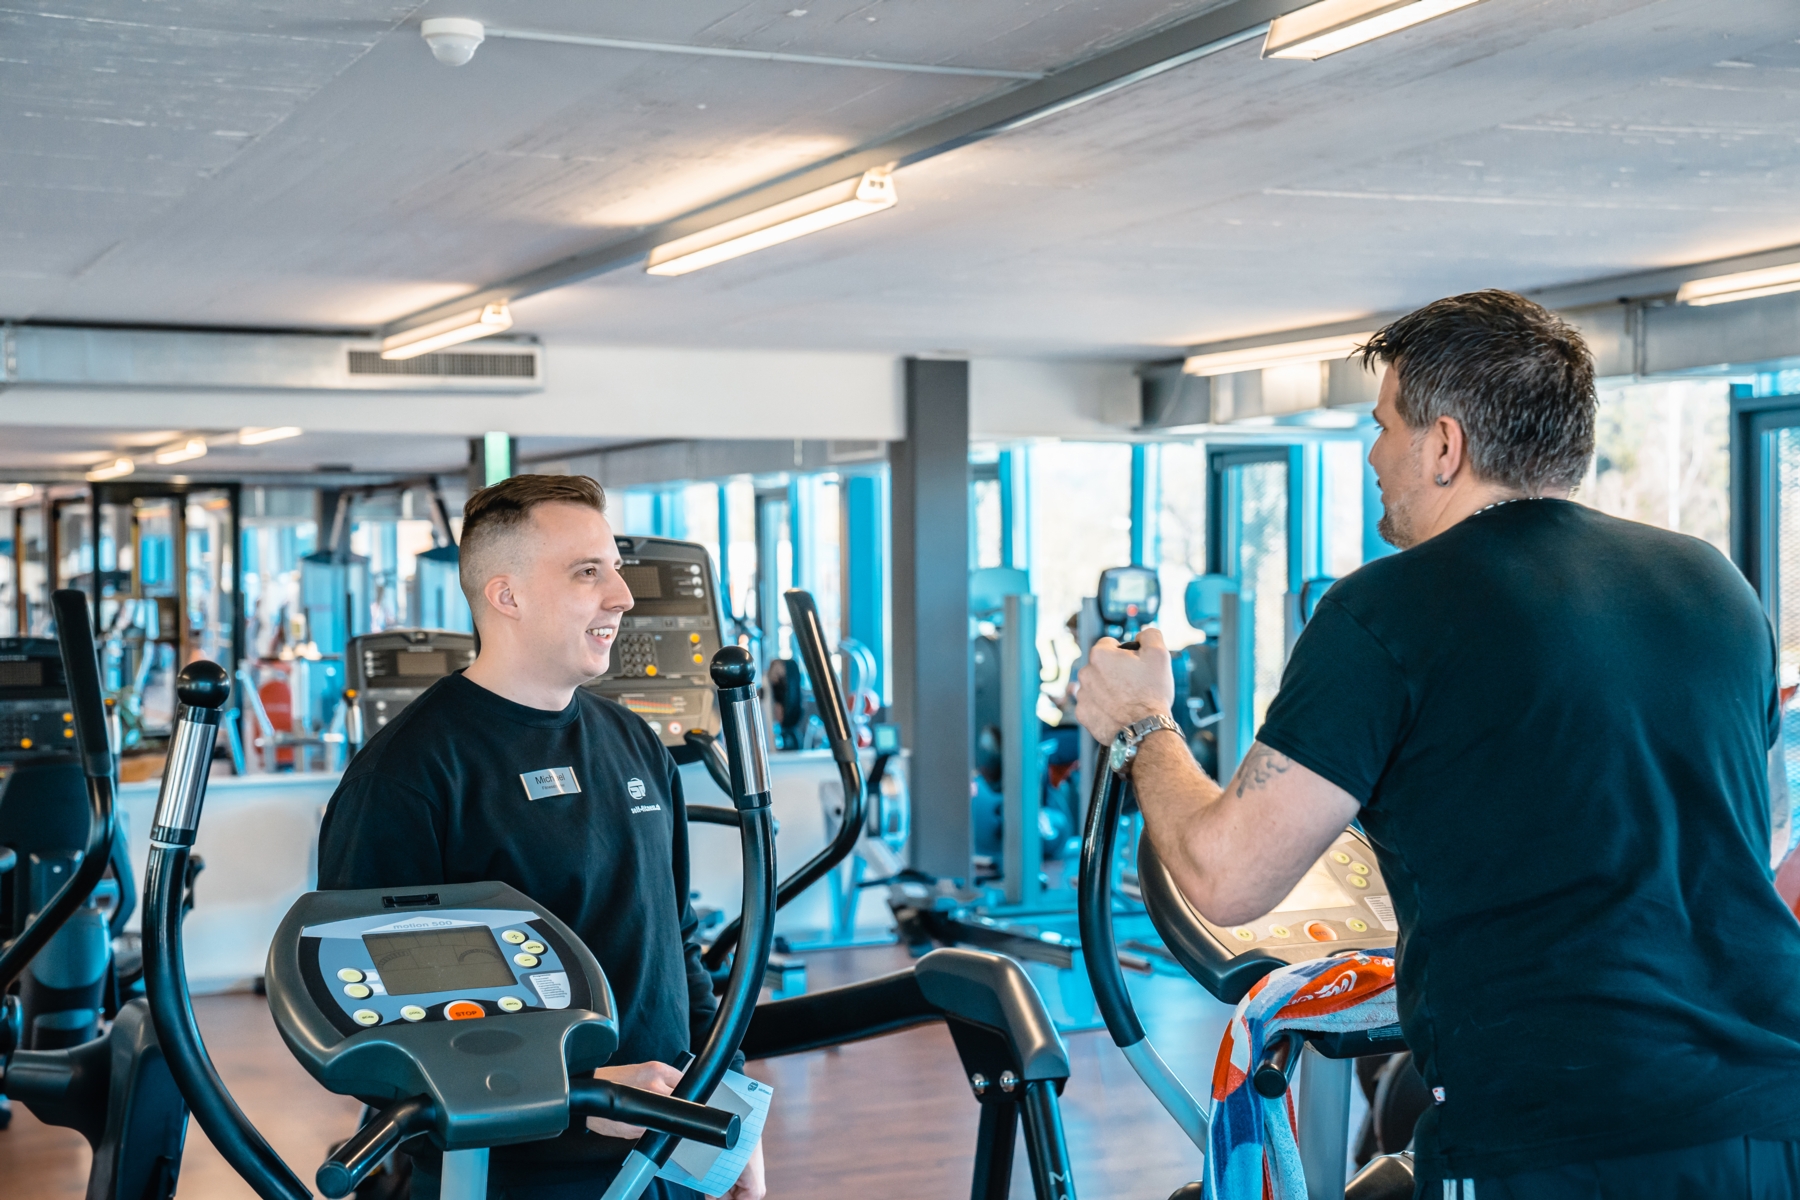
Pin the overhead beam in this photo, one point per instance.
(1014, 108)
(811, 60)
(1635, 287)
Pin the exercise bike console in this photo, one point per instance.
(470, 994)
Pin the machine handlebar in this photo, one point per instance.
(740, 715)
(81, 669)
(667, 1114)
(809, 638)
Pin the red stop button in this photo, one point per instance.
(463, 1010)
(1319, 931)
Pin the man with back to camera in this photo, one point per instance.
(448, 792)
(1554, 727)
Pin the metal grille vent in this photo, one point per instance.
(460, 366)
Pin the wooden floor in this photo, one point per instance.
(889, 1119)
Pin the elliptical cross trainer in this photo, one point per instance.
(464, 1013)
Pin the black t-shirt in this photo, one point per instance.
(438, 796)
(1557, 724)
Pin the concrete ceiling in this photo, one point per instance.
(221, 163)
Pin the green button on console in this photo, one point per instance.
(526, 960)
(350, 975)
(357, 991)
(510, 1003)
(533, 947)
(512, 936)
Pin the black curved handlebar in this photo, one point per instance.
(828, 696)
(81, 668)
(165, 974)
(1093, 907)
(735, 675)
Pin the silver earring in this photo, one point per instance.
(1440, 481)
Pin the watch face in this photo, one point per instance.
(1118, 754)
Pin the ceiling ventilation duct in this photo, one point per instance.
(39, 356)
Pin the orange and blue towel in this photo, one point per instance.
(1253, 1153)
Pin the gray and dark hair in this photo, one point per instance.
(1517, 377)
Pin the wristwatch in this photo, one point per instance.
(1125, 746)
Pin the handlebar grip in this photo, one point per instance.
(828, 692)
(1280, 1057)
(665, 1114)
(351, 1162)
(81, 668)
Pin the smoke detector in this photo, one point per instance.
(452, 39)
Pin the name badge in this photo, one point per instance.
(551, 781)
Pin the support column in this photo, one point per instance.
(931, 676)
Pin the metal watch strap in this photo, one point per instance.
(1134, 734)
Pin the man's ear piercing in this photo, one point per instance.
(1440, 481)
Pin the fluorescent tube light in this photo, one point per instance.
(181, 452)
(118, 468)
(1259, 358)
(871, 193)
(1333, 25)
(252, 436)
(464, 327)
(17, 492)
(1743, 285)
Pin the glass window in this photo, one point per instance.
(1259, 494)
(1081, 524)
(989, 540)
(1181, 534)
(1663, 456)
(1341, 522)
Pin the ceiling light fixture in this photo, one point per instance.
(1740, 285)
(250, 435)
(1258, 358)
(451, 331)
(1333, 25)
(180, 452)
(17, 492)
(118, 468)
(846, 201)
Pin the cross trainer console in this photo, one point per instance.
(659, 659)
(466, 1013)
(387, 671)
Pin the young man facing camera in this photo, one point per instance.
(509, 771)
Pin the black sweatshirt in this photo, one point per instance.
(457, 789)
(1557, 724)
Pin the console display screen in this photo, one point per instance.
(429, 662)
(438, 960)
(1316, 889)
(28, 673)
(644, 581)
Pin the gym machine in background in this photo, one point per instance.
(113, 1088)
(389, 670)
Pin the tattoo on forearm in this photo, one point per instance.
(1260, 768)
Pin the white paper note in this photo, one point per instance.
(708, 1169)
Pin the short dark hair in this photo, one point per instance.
(492, 515)
(1517, 377)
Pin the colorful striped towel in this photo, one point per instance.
(1253, 1152)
